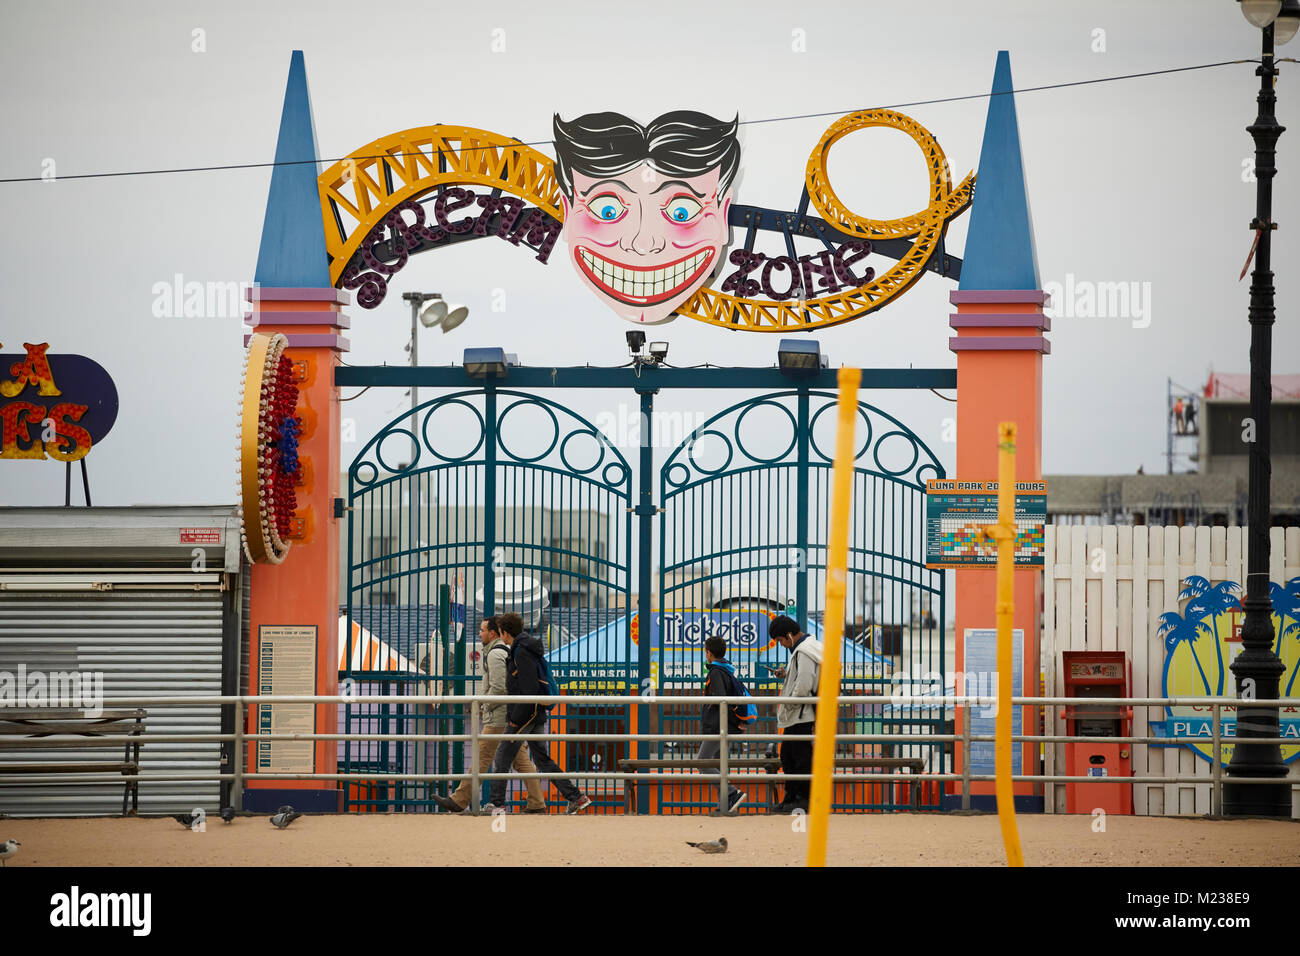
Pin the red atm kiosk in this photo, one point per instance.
(1098, 674)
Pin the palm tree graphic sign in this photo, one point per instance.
(1200, 644)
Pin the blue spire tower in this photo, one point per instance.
(292, 252)
(294, 296)
(999, 342)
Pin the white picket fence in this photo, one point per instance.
(1105, 588)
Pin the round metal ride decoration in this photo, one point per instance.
(268, 449)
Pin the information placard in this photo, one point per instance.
(286, 667)
(981, 664)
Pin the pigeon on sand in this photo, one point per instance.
(710, 846)
(7, 849)
(284, 817)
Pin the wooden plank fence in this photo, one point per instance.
(1105, 588)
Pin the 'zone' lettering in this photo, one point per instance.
(809, 276)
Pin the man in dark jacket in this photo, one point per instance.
(524, 679)
(720, 682)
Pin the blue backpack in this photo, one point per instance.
(744, 712)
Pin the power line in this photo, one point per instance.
(549, 142)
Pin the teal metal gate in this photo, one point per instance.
(743, 532)
(533, 517)
(491, 499)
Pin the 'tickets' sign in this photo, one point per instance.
(58, 406)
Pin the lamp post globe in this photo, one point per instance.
(1287, 23)
(1260, 13)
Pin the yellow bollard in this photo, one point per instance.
(837, 559)
(1005, 535)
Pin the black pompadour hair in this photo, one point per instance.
(681, 143)
(783, 626)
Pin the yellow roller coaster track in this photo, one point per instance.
(419, 161)
(356, 193)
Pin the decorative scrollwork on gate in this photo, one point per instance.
(887, 447)
(422, 437)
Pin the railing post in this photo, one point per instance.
(645, 510)
(1216, 793)
(723, 766)
(965, 756)
(474, 784)
(237, 791)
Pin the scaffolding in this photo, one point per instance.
(1182, 421)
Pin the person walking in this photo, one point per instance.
(496, 662)
(801, 674)
(721, 681)
(528, 676)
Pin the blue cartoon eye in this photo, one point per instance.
(607, 208)
(682, 209)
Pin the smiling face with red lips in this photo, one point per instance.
(646, 242)
(645, 208)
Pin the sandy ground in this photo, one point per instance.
(856, 840)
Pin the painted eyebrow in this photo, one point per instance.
(616, 182)
(678, 182)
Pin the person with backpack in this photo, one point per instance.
(527, 675)
(496, 662)
(801, 675)
(720, 680)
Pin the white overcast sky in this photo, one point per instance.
(1134, 181)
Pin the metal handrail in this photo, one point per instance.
(725, 772)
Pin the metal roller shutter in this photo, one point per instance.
(149, 636)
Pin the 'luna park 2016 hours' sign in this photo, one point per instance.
(644, 211)
(56, 406)
(959, 513)
(1201, 643)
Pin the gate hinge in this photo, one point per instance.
(338, 508)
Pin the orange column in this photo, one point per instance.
(303, 590)
(1000, 347)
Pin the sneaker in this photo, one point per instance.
(735, 800)
(577, 806)
(447, 803)
(490, 808)
(541, 809)
(798, 807)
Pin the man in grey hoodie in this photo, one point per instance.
(801, 675)
(496, 660)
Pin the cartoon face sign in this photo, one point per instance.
(645, 242)
(645, 208)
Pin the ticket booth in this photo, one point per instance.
(1098, 674)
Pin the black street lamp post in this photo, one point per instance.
(1257, 669)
